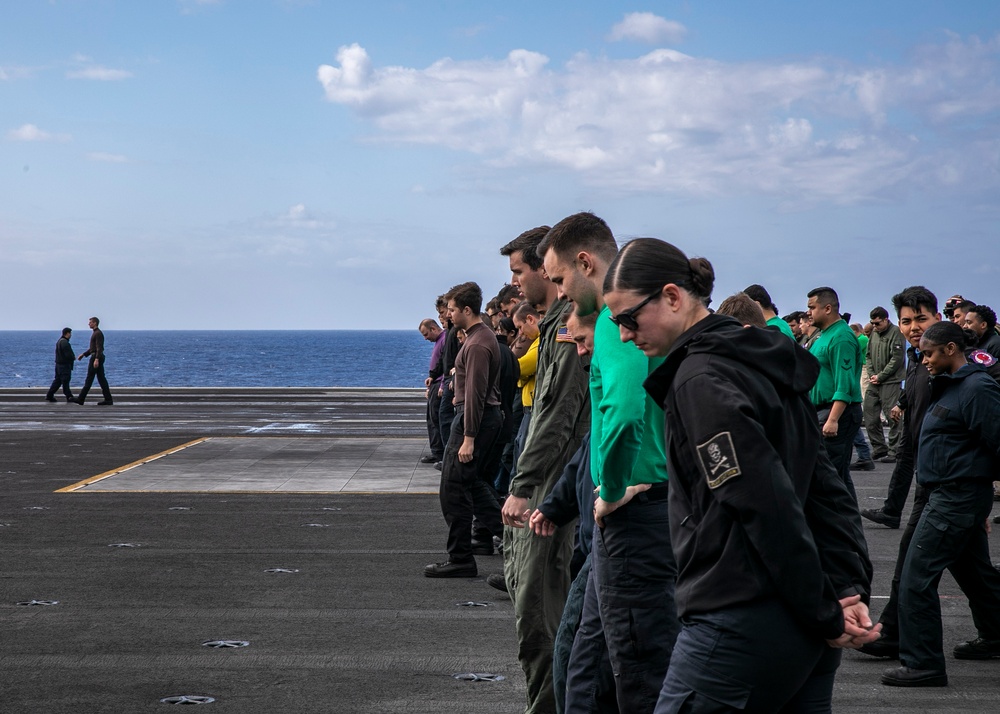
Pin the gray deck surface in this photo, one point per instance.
(322, 481)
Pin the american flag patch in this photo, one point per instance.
(563, 335)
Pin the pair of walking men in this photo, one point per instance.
(95, 366)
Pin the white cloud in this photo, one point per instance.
(472, 101)
(817, 129)
(97, 72)
(107, 158)
(11, 73)
(30, 132)
(647, 27)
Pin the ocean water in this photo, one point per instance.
(258, 358)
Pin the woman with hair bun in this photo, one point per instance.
(773, 569)
(959, 456)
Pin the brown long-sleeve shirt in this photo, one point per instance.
(477, 375)
(96, 344)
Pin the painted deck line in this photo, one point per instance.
(127, 467)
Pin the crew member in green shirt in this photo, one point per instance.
(631, 585)
(837, 392)
(763, 298)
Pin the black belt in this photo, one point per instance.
(656, 492)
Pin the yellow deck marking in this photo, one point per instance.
(121, 469)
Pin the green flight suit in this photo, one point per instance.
(537, 569)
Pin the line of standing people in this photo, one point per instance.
(758, 537)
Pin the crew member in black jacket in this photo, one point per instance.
(773, 569)
(959, 454)
(64, 367)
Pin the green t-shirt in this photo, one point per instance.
(839, 356)
(863, 343)
(626, 442)
(782, 326)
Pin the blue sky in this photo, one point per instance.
(275, 164)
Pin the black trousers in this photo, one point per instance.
(902, 475)
(63, 375)
(98, 372)
(447, 415)
(464, 489)
(434, 422)
(841, 446)
(753, 657)
(951, 535)
(890, 613)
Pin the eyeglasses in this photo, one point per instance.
(626, 318)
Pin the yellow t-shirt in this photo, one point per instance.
(528, 363)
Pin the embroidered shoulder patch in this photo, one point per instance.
(982, 357)
(718, 459)
(563, 335)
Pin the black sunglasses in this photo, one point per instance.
(626, 318)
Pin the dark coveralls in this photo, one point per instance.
(767, 536)
(64, 370)
(958, 457)
(95, 368)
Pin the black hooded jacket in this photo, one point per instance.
(757, 509)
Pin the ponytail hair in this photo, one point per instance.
(644, 265)
(941, 333)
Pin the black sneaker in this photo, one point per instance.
(978, 648)
(429, 459)
(890, 459)
(50, 399)
(439, 465)
(448, 569)
(880, 516)
(907, 677)
(105, 404)
(863, 465)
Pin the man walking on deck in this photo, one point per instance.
(64, 367)
(95, 367)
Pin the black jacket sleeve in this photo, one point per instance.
(562, 505)
(759, 496)
(836, 527)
